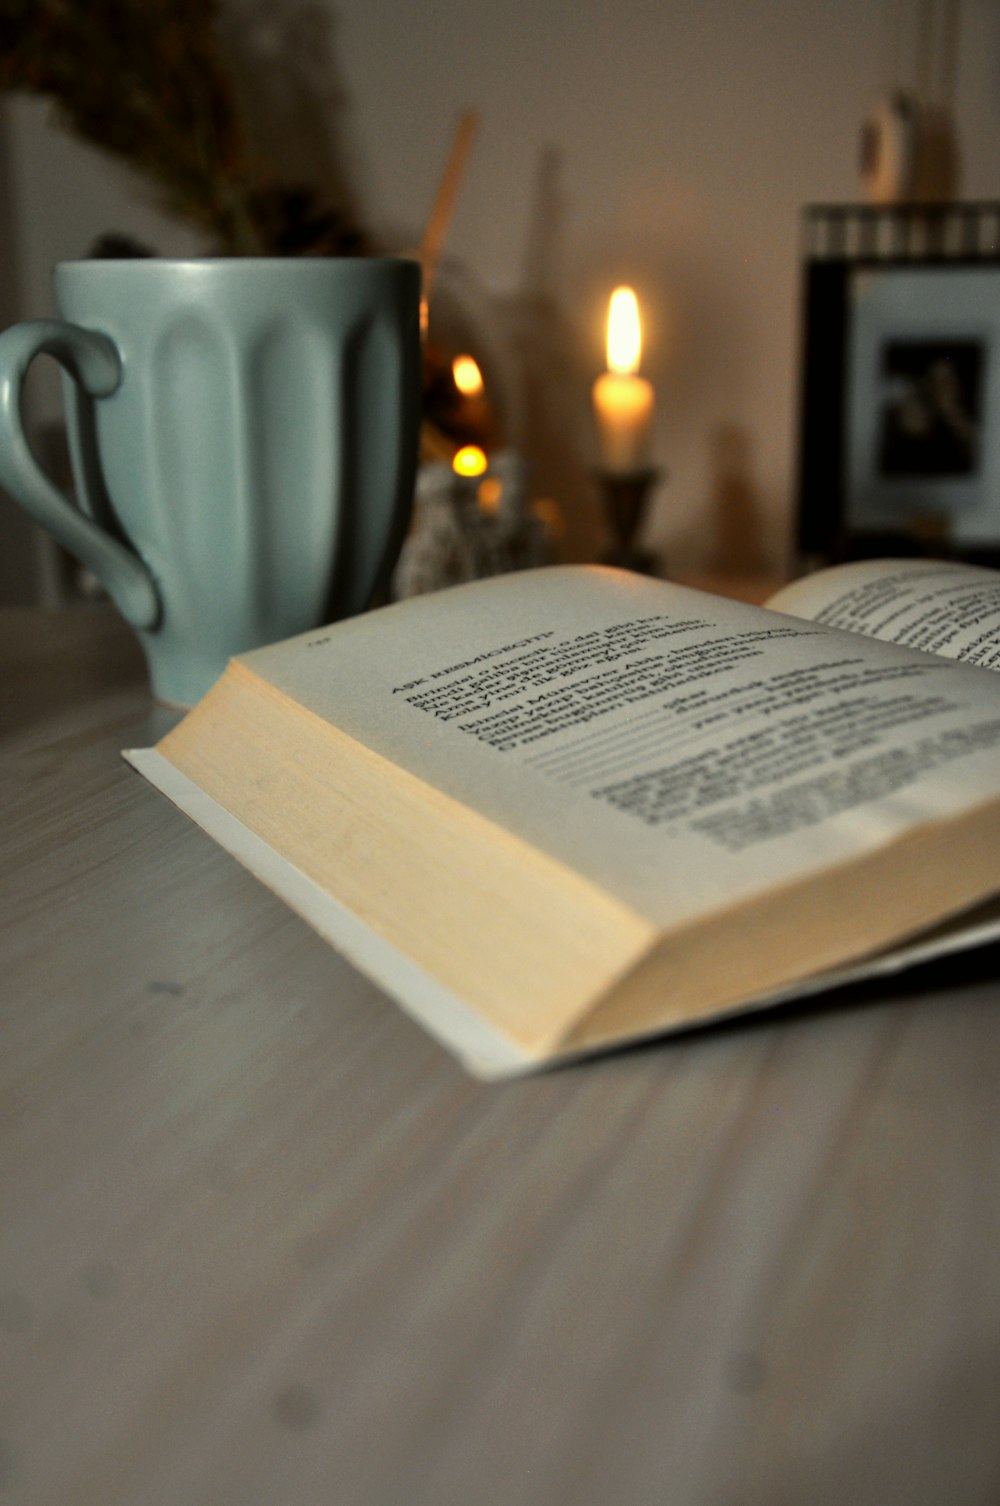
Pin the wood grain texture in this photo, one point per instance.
(262, 1242)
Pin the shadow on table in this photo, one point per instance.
(56, 661)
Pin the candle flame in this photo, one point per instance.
(469, 461)
(468, 377)
(624, 332)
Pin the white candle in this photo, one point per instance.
(623, 400)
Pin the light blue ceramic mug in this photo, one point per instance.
(243, 435)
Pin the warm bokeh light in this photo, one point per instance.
(470, 460)
(624, 332)
(489, 494)
(548, 511)
(468, 377)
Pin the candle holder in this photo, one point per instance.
(625, 497)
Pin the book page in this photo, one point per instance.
(682, 751)
(941, 607)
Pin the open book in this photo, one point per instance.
(557, 810)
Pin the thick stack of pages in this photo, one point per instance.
(567, 808)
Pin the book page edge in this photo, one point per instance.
(483, 1050)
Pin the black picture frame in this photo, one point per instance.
(899, 424)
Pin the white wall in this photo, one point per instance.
(677, 141)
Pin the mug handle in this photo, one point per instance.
(94, 364)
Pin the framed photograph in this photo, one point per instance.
(900, 431)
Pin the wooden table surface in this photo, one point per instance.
(263, 1244)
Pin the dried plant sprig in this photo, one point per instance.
(145, 80)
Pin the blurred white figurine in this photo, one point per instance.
(468, 527)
